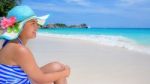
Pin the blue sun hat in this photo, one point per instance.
(12, 25)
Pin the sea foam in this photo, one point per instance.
(108, 40)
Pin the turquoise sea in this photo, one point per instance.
(137, 39)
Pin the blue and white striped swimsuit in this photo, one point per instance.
(12, 74)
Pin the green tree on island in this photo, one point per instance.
(6, 5)
(61, 25)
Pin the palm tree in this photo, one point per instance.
(6, 5)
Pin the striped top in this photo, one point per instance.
(12, 75)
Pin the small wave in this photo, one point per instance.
(108, 40)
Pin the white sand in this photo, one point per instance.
(92, 63)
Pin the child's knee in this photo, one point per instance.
(57, 66)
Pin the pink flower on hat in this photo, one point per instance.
(5, 23)
(12, 21)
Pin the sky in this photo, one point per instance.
(95, 13)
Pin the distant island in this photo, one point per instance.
(61, 25)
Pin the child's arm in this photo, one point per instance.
(25, 59)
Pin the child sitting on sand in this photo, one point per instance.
(17, 64)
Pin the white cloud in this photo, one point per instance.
(127, 3)
(79, 2)
(119, 11)
(65, 9)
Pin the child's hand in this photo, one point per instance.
(66, 71)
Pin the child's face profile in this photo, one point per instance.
(30, 28)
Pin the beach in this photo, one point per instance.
(93, 63)
(102, 41)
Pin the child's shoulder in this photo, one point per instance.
(20, 53)
(17, 48)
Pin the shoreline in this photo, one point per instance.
(108, 41)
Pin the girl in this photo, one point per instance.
(17, 64)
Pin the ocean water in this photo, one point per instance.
(136, 39)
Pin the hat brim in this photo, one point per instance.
(13, 35)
